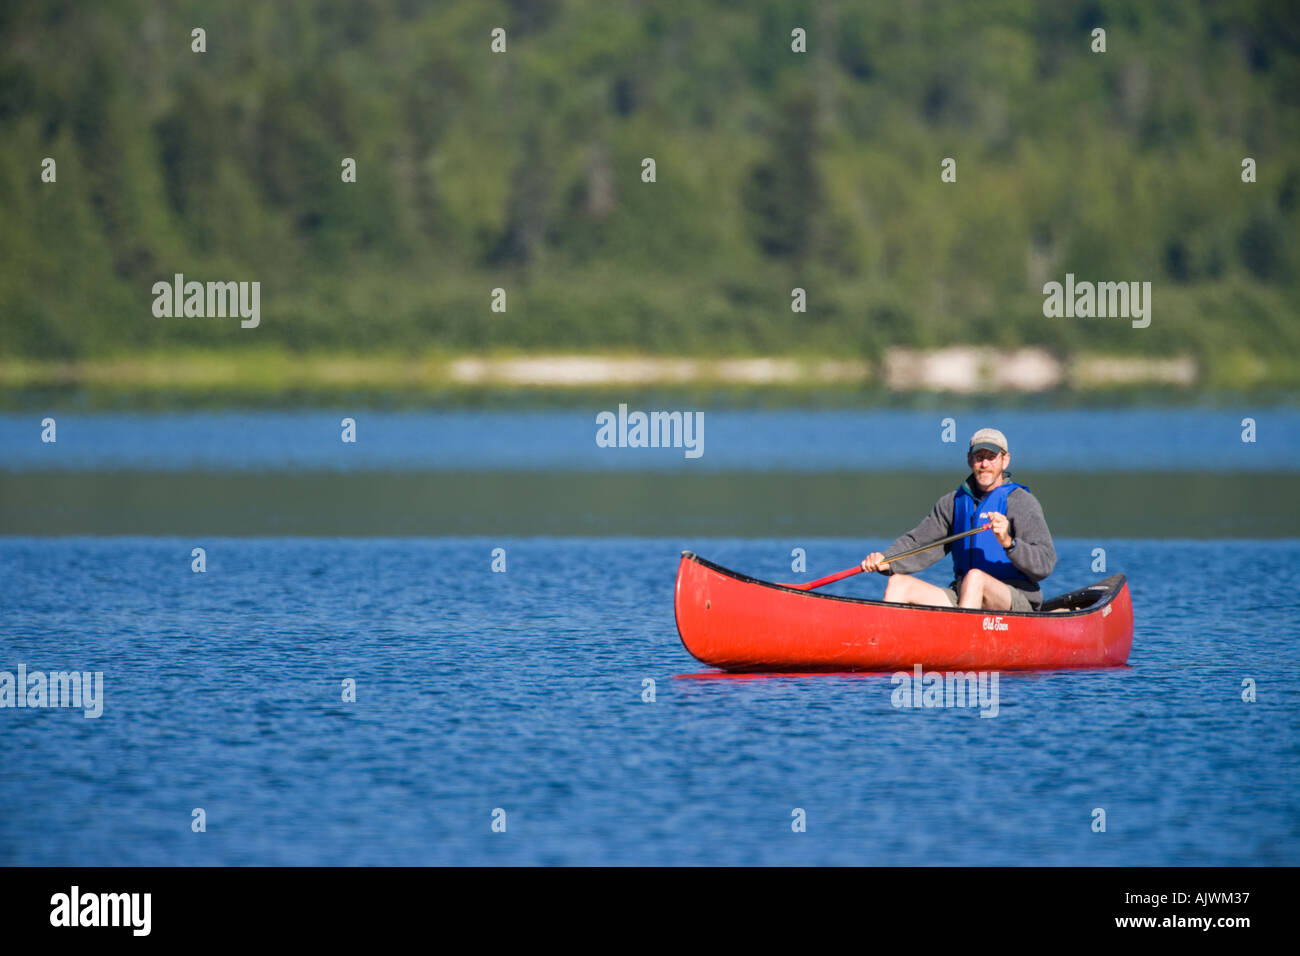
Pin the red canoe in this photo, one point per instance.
(739, 623)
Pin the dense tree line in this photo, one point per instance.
(774, 169)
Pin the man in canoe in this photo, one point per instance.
(998, 569)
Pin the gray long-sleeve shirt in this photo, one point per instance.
(1034, 555)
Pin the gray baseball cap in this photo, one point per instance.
(990, 439)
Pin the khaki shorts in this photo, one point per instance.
(1019, 602)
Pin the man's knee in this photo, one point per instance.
(991, 592)
(973, 581)
(898, 586)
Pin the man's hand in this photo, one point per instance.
(873, 562)
(1001, 528)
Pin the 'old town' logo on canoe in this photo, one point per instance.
(995, 624)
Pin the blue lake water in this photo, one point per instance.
(523, 691)
(1155, 439)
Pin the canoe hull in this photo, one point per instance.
(738, 623)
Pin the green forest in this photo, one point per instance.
(774, 169)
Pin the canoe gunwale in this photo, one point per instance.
(1112, 585)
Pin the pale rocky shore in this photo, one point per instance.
(956, 369)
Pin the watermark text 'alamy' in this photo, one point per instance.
(55, 689)
(651, 430)
(212, 300)
(1086, 300)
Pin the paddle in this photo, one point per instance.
(840, 575)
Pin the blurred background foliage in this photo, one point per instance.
(775, 170)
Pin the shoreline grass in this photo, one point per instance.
(277, 376)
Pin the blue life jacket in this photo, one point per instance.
(982, 550)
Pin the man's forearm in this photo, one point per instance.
(937, 524)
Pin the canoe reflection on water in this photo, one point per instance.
(717, 675)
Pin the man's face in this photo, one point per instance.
(987, 467)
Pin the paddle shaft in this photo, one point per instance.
(849, 572)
